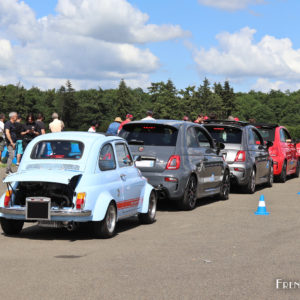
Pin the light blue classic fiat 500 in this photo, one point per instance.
(71, 177)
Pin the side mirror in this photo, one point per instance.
(137, 158)
(220, 146)
(269, 144)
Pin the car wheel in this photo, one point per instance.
(282, 176)
(107, 227)
(297, 173)
(250, 187)
(149, 217)
(189, 199)
(11, 227)
(271, 177)
(225, 186)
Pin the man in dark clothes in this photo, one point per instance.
(11, 138)
(20, 132)
(41, 128)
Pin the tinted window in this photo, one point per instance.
(256, 139)
(226, 135)
(282, 136)
(268, 134)
(107, 158)
(123, 155)
(191, 138)
(202, 137)
(57, 149)
(286, 135)
(150, 134)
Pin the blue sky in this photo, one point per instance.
(252, 43)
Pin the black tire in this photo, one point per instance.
(271, 177)
(225, 186)
(11, 227)
(297, 173)
(189, 200)
(282, 176)
(250, 187)
(149, 217)
(107, 227)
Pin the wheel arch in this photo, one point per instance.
(101, 205)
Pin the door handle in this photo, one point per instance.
(123, 177)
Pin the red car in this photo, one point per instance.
(283, 151)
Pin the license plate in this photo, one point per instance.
(38, 208)
(145, 163)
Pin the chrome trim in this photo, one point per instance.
(53, 212)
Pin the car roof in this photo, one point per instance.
(174, 123)
(265, 125)
(83, 136)
(227, 122)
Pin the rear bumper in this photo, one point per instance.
(56, 214)
(166, 189)
(239, 173)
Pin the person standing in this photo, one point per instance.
(20, 132)
(56, 125)
(149, 115)
(41, 128)
(11, 138)
(2, 134)
(94, 126)
(200, 119)
(114, 126)
(31, 131)
(129, 118)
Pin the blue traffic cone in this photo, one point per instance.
(261, 209)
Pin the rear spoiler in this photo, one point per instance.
(226, 122)
(265, 125)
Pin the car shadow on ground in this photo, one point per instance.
(83, 232)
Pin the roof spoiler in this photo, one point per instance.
(217, 122)
(265, 125)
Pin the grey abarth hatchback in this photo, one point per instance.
(245, 152)
(180, 159)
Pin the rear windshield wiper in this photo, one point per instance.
(136, 142)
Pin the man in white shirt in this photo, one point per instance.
(56, 125)
(149, 115)
(2, 134)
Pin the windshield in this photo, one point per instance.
(268, 134)
(58, 149)
(149, 134)
(226, 135)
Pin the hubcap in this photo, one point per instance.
(253, 181)
(191, 192)
(152, 206)
(111, 218)
(226, 184)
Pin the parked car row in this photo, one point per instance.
(69, 178)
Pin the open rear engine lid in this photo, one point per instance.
(54, 176)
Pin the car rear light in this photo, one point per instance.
(240, 156)
(173, 163)
(80, 200)
(7, 198)
(171, 179)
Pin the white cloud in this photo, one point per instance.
(87, 41)
(239, 56)
(265, 85)
(230, 5)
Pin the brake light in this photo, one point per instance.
(7, 198)
(240, 156)
(171, 179)
(173, 163)
(80, 200)
(218, 128)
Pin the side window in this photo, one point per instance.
(107, 158)
(282, 136)
(257, 139)
(192, 141)
(203, 139)
(286, 135)
(251, 138)
(123, 155)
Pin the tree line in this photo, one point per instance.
(78, 108)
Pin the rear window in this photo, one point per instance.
(149, 134)
(58, 149)
(226, 135)
(268, 134)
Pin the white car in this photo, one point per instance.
(71, 177)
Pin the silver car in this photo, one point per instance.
(179, 159)
(245, 152)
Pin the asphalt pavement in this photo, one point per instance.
(220, 250)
